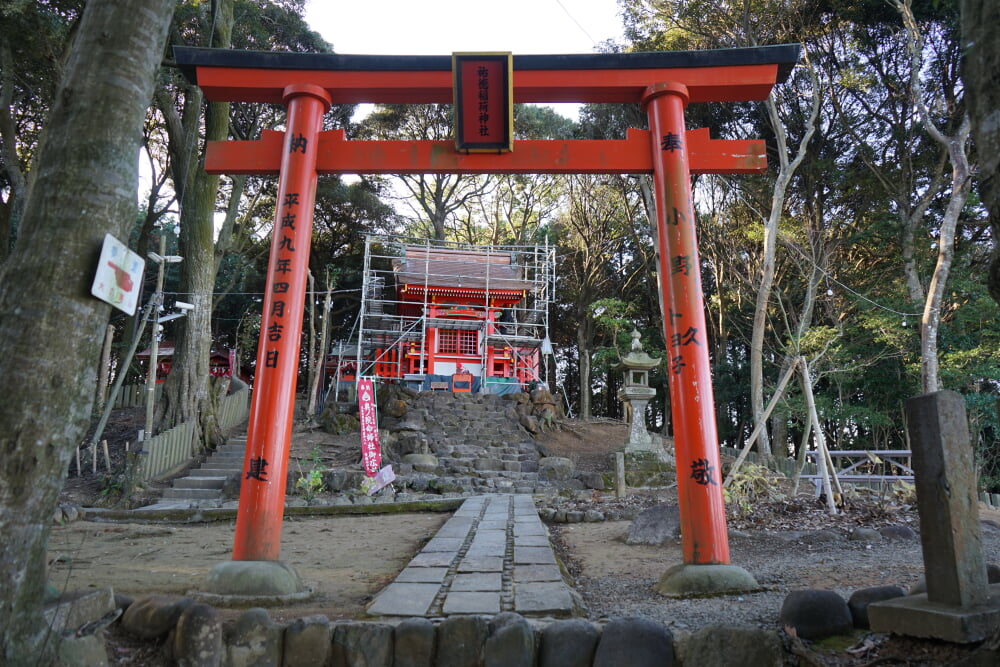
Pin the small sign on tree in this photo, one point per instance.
(119, 274)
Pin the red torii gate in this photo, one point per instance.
(664, 83)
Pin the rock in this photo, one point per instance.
(414, 646)
(197, 638)
(254, 640)
(85, 651)
(819, 537)
(569, 643)
(593, 516)
(307, 641)
(634, 642)
(816, 614)
(426, 463)
(77, 610)
(862, 534)
(720, 644)
(395, 408)
(70, 511)
(860, 599)
(511, 642)
(592, 480)
(460, 640)
(542, 397)
(546, 513)
(897, 533)
(555, 469)
(656, 525)
(356, 643)
(575, 516)
(530, 424)
(153, 616)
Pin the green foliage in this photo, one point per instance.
(310, 483)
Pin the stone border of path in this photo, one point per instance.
(493, 555)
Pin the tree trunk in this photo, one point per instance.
(584, 345)
(956, 148)
(84, 187)
(786, 170)
(981, 75)
(186, 390)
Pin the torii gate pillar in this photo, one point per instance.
(257, 542)
(704, 538)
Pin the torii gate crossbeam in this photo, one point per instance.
(664, 83)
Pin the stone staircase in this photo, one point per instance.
(475, 443)
(206, 482)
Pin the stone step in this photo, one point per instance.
(214, 471)
(192, 494)
(199, 482)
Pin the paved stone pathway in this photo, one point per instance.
(492, 555)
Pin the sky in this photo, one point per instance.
(441, 27)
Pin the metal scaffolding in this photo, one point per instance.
(393, 326)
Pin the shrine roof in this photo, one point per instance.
(783, 55)
(712, 75)
(467, 269)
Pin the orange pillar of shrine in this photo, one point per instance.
(702, 510)
(262, 493)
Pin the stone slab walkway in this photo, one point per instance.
(492, 555)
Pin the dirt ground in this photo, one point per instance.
(786, 543)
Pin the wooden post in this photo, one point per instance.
(107, 456)
(79, 468)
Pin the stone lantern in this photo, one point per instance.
(637, 393)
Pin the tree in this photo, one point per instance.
(982, 84)
(434, 198)
(51, 326)
(186, 395)
(955, 146)
(33, 38)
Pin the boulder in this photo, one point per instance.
(720, 644)
(634, 642)
(153, 616)
(860, 599)
(897, 533)
(357, 643)
(511, 642)
(460, 641)
(555, 469)
(307, 641)
(816, 614)
(254, 640)
(197, 638)
(656, 525)
(569, 643)
(414, 646)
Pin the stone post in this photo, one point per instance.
(960, 605)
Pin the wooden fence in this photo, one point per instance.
(784, 466)
(134, 396)
(172, 449)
